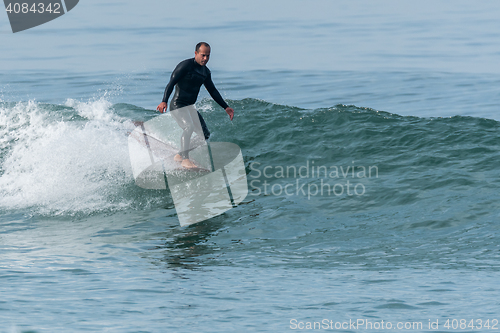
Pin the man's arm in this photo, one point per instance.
(209, 84)
(176, 76)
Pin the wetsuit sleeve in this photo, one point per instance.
(176, 76)
(214, 92)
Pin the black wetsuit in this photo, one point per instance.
(187, 79)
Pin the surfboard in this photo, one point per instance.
(162, 148)
(196, 169)
(152, 147)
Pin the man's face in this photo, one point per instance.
(202, 56)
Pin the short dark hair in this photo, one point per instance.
(197, 49)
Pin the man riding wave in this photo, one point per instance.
(187, 78)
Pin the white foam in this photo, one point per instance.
(63, 167)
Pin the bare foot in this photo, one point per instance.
(186, 163)
(178, 158)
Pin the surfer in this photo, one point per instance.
(187, 79)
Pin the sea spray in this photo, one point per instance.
(62, 166)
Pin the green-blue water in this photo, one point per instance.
(403, 237)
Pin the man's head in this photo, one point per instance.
(202, 53)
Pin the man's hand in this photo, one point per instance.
(162, 107)
(230, 112)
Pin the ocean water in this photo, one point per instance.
(373, 171)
